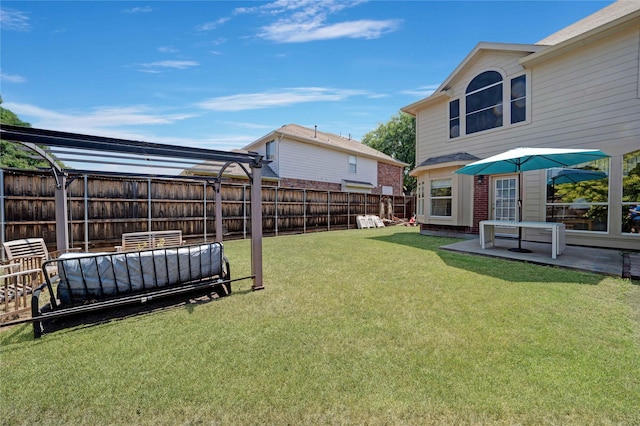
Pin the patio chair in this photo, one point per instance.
(30, 253)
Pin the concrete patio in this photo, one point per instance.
(598, 260)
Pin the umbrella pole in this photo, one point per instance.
(519, 249)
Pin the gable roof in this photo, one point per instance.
(326, 140)
(480, 49)
(610, 18)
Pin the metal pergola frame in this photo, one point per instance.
(98, 150)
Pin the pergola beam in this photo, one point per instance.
(100, 143)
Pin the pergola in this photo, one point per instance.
(144, 158)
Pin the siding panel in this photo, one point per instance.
(305, 161)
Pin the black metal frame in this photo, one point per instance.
(219, 283)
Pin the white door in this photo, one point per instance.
(505, 203)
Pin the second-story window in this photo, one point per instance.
(484, 102)
(518, 99)
(353, 163)
(454, 118)
(271, 150)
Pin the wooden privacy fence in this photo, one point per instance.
(101, 209)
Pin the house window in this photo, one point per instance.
(271, 150)
(579, 196)
(484, 102)
(353, 163)
(518, 99)
(441, 197)
(631, 193)
(454, 119)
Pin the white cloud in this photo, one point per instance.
(308, 20)
(156, 67)
(298, 32)
(96, 121)
(167, 49)
(14, 20)
(11, 78)
(278, 98)
(144, 9)
(211, 25)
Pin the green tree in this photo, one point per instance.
(12, 155)
(397, 138)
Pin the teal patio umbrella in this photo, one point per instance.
(560, 175)
(520, 160)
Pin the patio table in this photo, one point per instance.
(488, 234)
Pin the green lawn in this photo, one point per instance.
(372, 326)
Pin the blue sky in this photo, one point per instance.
(221, 74)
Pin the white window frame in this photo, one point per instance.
(353, 164)
(270, 155)
(441, 197)
(506, 106)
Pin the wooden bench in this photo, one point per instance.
(30, 253)
(22, 273)
(26, 252)
(91, 282)
(15, 285)
(150, 240)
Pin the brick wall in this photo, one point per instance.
(389, 175)
(480, 202)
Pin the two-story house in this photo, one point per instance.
(302, 157)
(578, 88)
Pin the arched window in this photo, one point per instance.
(484, 102)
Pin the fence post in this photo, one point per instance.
(304, 211)
(86, 213)
(244, 211)
(328, 210)
(204, 213)
(348, 210)
(149, 204)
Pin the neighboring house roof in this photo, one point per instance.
(233, 170)
(327, 140)
(358, 183)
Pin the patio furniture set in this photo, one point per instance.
(148, 265)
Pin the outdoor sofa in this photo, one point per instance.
(91, 282)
